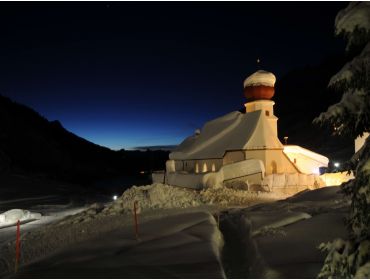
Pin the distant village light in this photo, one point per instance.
(114, 197)
(336, 164)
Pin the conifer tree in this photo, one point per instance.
(351, 116)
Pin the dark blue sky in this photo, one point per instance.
(135, 74)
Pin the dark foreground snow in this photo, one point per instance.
(277, 239)
(281, 239)
(184, 245)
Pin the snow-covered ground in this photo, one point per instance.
(184, 245)
(281, 239)
(179, 236)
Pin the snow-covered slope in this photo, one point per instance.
(178, 246)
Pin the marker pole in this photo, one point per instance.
(17, 246)
(136, 222)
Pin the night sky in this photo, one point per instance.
(124, 75)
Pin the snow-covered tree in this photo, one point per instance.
(351, 258)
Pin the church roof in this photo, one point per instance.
(234, 131)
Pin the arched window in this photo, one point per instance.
(213, 167)
(196, 167)
(204, 168)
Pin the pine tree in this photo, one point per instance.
(351, 116)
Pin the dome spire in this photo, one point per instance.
(259, 85)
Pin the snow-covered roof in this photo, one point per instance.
(234, 131)
(260, 78)
(308, 153)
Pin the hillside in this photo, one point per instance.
(31, 144)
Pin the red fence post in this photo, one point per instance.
(136, 222)
(17, 246)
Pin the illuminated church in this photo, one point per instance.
(245, 148)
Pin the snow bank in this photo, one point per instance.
(12, 216)
(233, 197)
(262, 221)
(336, 179)
(160, 196)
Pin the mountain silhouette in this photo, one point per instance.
(31, 144)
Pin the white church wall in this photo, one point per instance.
(277, 162)
(170, 165)
(292, 179)
(158, 177)
(279, 180)
(290, 183)
(256, 154)
(194, 181)
(209, 179)
(233, 156)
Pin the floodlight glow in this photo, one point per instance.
(336, 164)
(316, 170)
(114, 197)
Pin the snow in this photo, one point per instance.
(288, 254)
(259, 78)
(306, 161)
(336, 179)
(242, 168)
(186, 245)
(360, 141)
(157, 196)
(353, 102)
(228, 197)
(356, 14)
(281, 239)
(160, 196)
(12, 216)
(262, 220)
(350, 69)
(234, 131)
(179, 237)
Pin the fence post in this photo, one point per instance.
(136, 221)
(17, 246)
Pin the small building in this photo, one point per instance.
(244, 149)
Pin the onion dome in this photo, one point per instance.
(259, 85)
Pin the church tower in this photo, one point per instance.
(259, 89)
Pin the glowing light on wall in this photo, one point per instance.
(204, 168)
